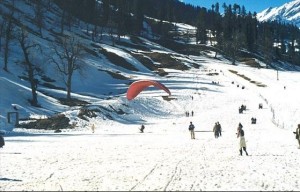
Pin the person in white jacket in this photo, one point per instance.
(241, 135)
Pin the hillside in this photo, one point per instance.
(110, 65)
(116, 156)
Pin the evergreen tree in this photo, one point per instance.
(201, 35)
(139, 16)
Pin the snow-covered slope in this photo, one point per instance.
(164, 158)
(117, 157)
(289, 12)
(101, 81)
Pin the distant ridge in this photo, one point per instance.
(287, 13)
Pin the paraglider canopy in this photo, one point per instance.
(136, 87)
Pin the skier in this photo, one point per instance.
(191, 129)
(240, 134)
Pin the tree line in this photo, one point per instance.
(231, 31)
(237, 30)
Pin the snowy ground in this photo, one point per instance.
(164, 158)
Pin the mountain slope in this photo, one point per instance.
(110, 65)
(287, 13)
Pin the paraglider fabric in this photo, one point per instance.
(136, 87)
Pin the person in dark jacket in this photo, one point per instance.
(240, 126)
(219, 129)
(297, 132)
(242, 144)
(216, 130)
(191, 129)
(142, 129)
(2, 143)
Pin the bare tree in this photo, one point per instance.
(31, 69)
(68, 60)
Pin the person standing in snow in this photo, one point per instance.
(216, 131)
(142, 129)
(297, 132)
(219, 129)
(242, 144)
(93, 128)
(2, 143)
(191, 129)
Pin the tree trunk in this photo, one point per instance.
(6, 54)
(6, 46)
(33, 84)
(69, 83)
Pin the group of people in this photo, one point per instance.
(242, 108)
(187, 114)
(217, 130)
(253, 120)
(241, 134)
